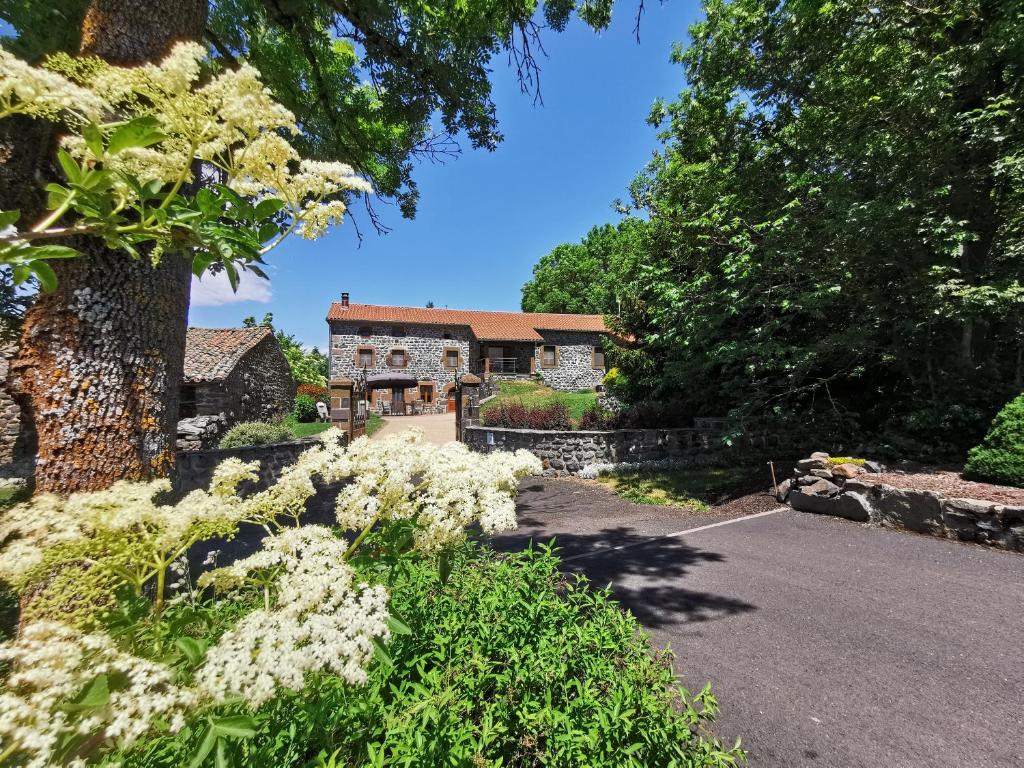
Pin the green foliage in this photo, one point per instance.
(307, 367)
(834, 223)
(304, 409)
(583, 689)
(374, 421)
(580, 278)
(255, 433)
(1000, 457)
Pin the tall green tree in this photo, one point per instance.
(586, 277)
(835, 225)
(101, 358)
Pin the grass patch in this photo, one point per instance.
(306, 429)
(533, 394)
(374, 421)
(696, 488)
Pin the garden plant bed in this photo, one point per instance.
(698, 490)
(947, 483)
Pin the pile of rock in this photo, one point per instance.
(199, 432)
(820, 476)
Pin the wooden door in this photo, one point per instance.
(398, 401)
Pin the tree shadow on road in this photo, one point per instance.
(647, 575)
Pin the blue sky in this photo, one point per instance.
(486, 218)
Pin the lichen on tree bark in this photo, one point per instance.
(100, 362)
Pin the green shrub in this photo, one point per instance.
(304, 409)
(835, 461)
(1000, 457)
(508, 663)
(255, 433)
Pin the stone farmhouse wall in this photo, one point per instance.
(425, 346)
(17, 438)
(569, 452)
(259, 388)
(575, 360)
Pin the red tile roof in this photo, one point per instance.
(486, 326)
(212, 353)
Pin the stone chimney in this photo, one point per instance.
(344, 300)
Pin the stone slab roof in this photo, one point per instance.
(486, 326)
(212, 353)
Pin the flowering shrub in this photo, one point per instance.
(447, 694)
(312, 390)
(517, 416)
(255, 433)
(135, 137)
(304, 409)
(80, 685)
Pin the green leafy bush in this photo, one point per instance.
(1000, 457)
(304, 409)
(508, 662)
(255, 433)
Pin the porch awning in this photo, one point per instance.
(391, 381)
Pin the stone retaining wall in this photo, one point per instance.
(928, 512)
(569, 452)
(195, 468)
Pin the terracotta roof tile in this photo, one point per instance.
(486, 326)
(212, 353)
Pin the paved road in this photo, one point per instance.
(827, 643)
(437, 427)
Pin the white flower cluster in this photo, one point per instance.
(28, 530)
(51, 664)
(320, 621)
(36, 92)
(232, 122)
(444, 489)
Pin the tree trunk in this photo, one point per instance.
(101, 359)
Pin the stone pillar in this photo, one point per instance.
(344, 407)
(467, 404)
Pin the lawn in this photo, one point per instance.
(300, 429)
(693, 487)
(533, 394)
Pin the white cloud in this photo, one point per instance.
(215, 290)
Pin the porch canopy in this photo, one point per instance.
(391, 381)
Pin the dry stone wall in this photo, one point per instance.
(194, 469)
(570, 452)
(844, 491)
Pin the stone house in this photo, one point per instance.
(231, 375)
(430, 346)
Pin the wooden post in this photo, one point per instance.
(343, 408)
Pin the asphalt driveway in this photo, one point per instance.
(827, 643)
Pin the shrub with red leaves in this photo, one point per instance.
(597, 417)
(313, 390)
(517, 416)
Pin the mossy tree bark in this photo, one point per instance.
(101, 359)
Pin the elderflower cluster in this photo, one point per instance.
(36, 92)
(444, 489)
(232, 122)
(320, 620)
(51, 664)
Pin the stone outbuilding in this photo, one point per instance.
(231, 375)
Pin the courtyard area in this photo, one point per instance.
(828, 643)
(438, 428)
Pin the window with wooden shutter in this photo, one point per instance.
(598, 357)
(549, 356)
(365, 357)
(452, 358)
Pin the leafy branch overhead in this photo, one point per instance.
(154, 158)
